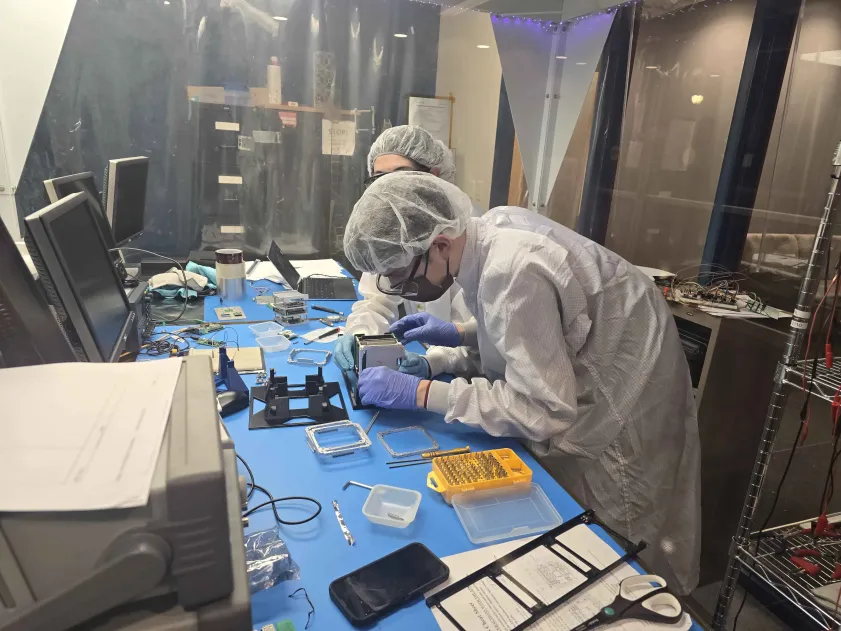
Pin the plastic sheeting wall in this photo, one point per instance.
(121, 88)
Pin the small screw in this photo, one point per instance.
(395, 516)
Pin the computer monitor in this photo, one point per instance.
(124, 192)
(69, 252)
(29, 333)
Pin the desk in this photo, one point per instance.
(283, 463)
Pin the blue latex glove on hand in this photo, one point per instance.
(344, 352)
(422, 327)
(387, 388)
(414, 364)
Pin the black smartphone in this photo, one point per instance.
(372, 591)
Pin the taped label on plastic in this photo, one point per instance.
(230, 179)
(805, 315)
(267, 137)
(226, 126)
(231, 229)
(799, 325)
(245, 143)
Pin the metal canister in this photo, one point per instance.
(230, 274)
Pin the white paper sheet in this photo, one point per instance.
(312, 335)
(82, 436)
(318, 267)
(486, 606)
(433, 115)
(265, 270)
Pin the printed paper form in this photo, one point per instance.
(82, 436)
(486, 607)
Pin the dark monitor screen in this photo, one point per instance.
(126, 198)
(77, 242)
(60, 187)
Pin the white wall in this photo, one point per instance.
(31, 36)
(473, 75)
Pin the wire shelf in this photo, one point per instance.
(827, 381)
(776, 571)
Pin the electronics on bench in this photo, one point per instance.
(124, 196)
(140, 304)
(29, 333)
(316, 288)
(75, 269)
(370, 351)
(60, 187)
(176, 563)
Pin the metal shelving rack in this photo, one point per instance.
(744, 555)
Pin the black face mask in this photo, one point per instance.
(420, 288)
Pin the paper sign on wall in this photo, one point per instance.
(288, 119)
(433, 115)
(338, 139)
(226, 126)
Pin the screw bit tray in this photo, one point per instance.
(476, 471)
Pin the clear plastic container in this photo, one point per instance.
(504, 513)
(391, 506)
(264, 329)
(273, 343)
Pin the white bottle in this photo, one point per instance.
(273, 81)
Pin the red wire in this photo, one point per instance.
(805, 432)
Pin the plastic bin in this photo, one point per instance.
(264, 329)
(402, 504)
(273, 343)
(504, 513)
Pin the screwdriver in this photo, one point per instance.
(425, 456)
(323, 335)
(326, 309)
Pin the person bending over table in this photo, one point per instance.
(578, 354)
(406, 148)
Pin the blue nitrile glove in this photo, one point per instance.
(387, 388)
(344, 351)
(422, 327)
(414, 364)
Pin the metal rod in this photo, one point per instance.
(373, 420)
(799, 324)
(411, 464)
(359, 484)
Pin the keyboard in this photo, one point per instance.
(320, 287)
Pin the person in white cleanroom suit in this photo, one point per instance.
(579, 355)
(405, 148)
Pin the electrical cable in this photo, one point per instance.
(164, 322)
(274, 501)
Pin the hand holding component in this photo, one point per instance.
(344, 352)
(414, 364)
(423, 327)
(387, 388)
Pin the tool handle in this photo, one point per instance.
(446, 452)
(326, 309)
(810, 568)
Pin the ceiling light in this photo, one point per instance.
(280, 18)
(580, 63)
(561, 57)
(652, 67)
(401, 35)
(166, 1)
(482, 46)
(715, 75)
(697, 99)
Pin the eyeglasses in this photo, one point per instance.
(407, 287)
(420, 169)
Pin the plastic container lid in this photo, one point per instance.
(391, 506)
(512, 511)
(273, 343)
(265, 328)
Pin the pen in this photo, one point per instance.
(325, 334)
(251, 269)
(327, 309)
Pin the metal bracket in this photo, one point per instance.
(309, 361)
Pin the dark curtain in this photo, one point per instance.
(120, 89)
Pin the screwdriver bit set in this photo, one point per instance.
(476, 471)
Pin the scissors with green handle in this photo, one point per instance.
(643, 597)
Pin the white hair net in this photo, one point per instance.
(398, 217)
(416, 144)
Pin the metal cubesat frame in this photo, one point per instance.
(789, 372)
